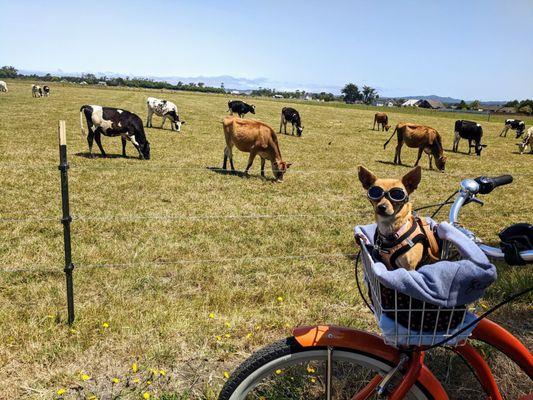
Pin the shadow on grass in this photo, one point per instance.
(407, 166)
(457, 152)
(98, 155)
(240, 174)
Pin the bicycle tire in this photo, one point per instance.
(284, 352)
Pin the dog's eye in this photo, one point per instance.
(375, 193)
(397, 194)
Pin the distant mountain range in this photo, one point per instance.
(247, 84)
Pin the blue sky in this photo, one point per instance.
(465, 49)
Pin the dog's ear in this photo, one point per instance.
(366, 177)
(412, 179)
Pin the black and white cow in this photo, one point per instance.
(46, 91)
(165, 109)
(515, 125)
(470, 131)
(3, 87)
(289, 114)
(36, 91)
(110, 121)
(240, 107)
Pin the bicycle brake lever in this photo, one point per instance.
(476, 200)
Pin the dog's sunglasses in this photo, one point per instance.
(397, 195)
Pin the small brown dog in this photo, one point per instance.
(402, 240)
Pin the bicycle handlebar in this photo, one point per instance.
(469, 189)
(487, 185)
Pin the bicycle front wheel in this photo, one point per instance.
(285, 370)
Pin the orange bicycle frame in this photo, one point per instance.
(364, 342)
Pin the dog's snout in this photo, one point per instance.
(382, 207)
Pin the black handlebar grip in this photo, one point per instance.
(502, 180)
(487, 185)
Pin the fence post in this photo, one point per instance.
(66, 219)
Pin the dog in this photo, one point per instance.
(402, 239)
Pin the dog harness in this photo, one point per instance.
(388, 249)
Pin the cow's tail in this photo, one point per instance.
(387, 142)
(82, 109)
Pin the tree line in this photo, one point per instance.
(11, 72)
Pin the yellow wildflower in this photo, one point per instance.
(162, 372)
(148, 382)
(146, 395)
(227, 324)
(136, 380)
(105, 325)
(85, 377)
(249, 335)
(227, 335)
(93, 397)
(278, 371)
(116, 380)
(313, 380)
(61, 392)
(310, 369)
(72, 330)
(219, 338)
(226, 374)
(50, 316)
(154, 371)
(134, 367)
(280, 299)
(212, 315)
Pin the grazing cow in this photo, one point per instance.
(3, 86)
(515, 125)
(527, 141)
(253, 137)
(289, 114)
(425, 138)
(114, 122)
(240, 107)
(470, 131)
(36, 91)
(383, 119)
(163, 108)
(46, 91)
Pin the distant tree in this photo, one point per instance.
(180, 83)
(369, 94)
(463, 105)
(527, 109)
(351, 92)
(513, 103)
(222, 85)
(201, 84)
(474, 105)
(8, 71)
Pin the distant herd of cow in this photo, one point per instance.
(257, 138)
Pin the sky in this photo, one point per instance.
(467, 49)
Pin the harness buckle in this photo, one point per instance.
(409, 242)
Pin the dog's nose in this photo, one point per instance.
(382, 207)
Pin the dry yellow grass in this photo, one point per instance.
(195, 296)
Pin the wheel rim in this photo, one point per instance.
(260, 381)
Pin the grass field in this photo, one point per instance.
(185, 271)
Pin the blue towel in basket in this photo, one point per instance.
(444, 283)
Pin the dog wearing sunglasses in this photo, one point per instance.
(402, 239)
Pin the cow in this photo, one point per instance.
(425, 138)
(36, 91)
(527, 141)
(253, 137)
(3, 87)
(165, 109)
(515, 125)
(383, 119)
(240, 107)
(46, 91)
(110, 121)
(470, 131)
(289, 114)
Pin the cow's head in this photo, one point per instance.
(387, 127)
(252, 109)
(299, 130)
(520, 131)
(478, 148)
(279, 169)
(441, 162)
(175, 119)
(144, 150)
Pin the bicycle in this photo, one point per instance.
(343, 363)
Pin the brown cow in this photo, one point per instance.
(383, 119)
(425, 138)
(253, 137)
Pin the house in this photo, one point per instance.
(236, 92)
(433, 104)
(278, 96)
(83, 83)
(506, 110)
(410, 103)
(379, 104)
(102, 83)
(389, 104)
